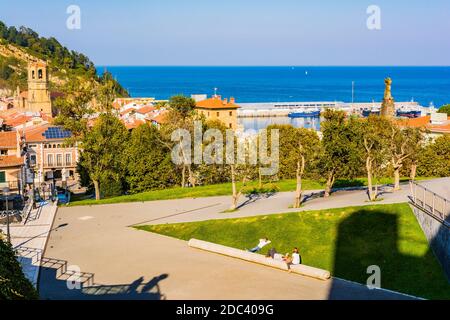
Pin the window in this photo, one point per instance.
(68, 159)
(218, 114)
(231, 113)
(50, 159)
(32, 74)
(2, 176)
(59, 159)
(45, 146)
(40, 73)
(33, 159)
(3, 152)
(54, 146)
(231, 125)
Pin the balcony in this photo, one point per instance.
(12, 185)
(59, 165)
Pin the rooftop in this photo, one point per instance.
(216, 102)
(425, 122)
(46, 133)
(11, 161)
(8, 139)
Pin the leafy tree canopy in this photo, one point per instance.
(445, 109)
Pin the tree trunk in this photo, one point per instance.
(397, 178)
(191, 177)
(329, 185)
(97, 190)
(183, 176)
(298, 191)
(260, 179)
(235, 196)
(372, 195)
(413, 172)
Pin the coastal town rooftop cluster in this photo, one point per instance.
(26, 121)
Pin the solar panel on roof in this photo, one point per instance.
(56, 133)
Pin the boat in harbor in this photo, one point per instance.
(305, 114)
(368, 112)
(409, 113)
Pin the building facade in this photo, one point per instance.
(38, 97)
(217, 109)
(50, 156)
(11, 160)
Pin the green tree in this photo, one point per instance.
(13, 284)
(435, 158)
(75, 107)
(149, 164)
(183, 106)
(240, 172)
(288, 143)
(375, 136)
(340, 154)
(213, 173)
(445, 109)
(306, 152)
(181, 116)
(404, 144)
(103, 151)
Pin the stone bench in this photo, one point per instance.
(260, 259)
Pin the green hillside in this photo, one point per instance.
(19, 45)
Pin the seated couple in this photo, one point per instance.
(293, 258)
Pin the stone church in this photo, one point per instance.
(38, 97)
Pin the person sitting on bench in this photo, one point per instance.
(262, 243)
(295, 259)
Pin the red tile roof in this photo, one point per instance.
(146, 109)
(35, 134)
(425, 122)
(126, 111)
(134, 124)
(8, 139)
(217, 103)
(161, 118)
(18, 120)
(11, 161)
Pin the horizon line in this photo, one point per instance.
(276, 66)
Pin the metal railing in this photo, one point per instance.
(431, 202)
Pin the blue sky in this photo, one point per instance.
(244, 32)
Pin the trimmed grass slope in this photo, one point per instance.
(345, 241)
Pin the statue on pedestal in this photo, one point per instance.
(388, 105)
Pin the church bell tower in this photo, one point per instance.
(38, 92)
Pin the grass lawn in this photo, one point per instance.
(345, 241)
(216, 190)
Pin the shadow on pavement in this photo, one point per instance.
(58, 283)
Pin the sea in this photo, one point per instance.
(425, 85)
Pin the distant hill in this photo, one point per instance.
(18, 46)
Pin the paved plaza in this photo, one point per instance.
(124, 263)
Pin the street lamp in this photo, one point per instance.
(6, 194)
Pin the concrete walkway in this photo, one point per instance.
(200, 209)
(129, 264)
(30, 237)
